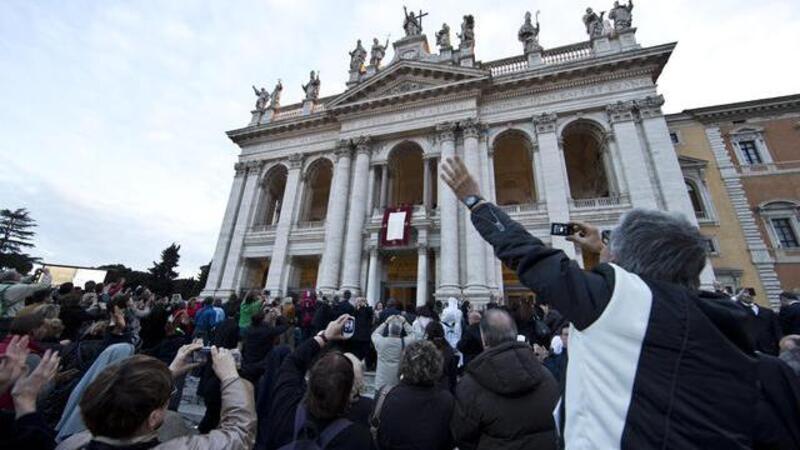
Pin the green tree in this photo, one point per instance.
(16, 236)
(163, 273)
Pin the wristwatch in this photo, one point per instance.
(471, 200)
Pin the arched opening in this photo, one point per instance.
(406, 175)
(272, 196)
(513, 169)
(696, 199)
(586, 159)
(317, 191)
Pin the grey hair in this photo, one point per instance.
(395, 328)
(497, 327)
(659, 246)
(421, 364)
(9, 275)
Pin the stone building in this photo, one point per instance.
(568, 133)
(741, 163)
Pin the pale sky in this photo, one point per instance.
(114, 112)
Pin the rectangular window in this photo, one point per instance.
(750, 152)
(673, 136)
(785, 233)
(711, 248)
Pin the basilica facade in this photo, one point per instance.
(554, 135)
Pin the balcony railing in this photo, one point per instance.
(519, 208)
(311, 224)
(567, 53)
(507, 65)
(558, 55)
(600, 202)
(263, 228)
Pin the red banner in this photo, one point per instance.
(395, 241)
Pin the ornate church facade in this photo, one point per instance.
(554, 135)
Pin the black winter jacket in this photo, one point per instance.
(505, 401)
(652, 364)
(416, 417)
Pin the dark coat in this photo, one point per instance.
(363, 318)
(449, 377)
(470, 344)
(764, 328)
(778, 409)
(73, 318)
(416, 417)
(288, 392)
(505, 401)
(790, 319)
(557, 365)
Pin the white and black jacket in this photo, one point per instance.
(651, 364)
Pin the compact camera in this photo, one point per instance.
(562, 229)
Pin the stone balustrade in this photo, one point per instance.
(596, 203)
(263, 228)
(311, 224)
(567, 53)
(507, 65)
(518, 208)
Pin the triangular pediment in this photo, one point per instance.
(407, 77)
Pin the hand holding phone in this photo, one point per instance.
(562, 229)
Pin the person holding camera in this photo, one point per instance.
(390, 339)
(654, 362)
(307, 414)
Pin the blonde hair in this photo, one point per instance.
(358, 376)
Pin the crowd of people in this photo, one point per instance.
(629, 353)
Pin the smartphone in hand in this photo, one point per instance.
(562, 229)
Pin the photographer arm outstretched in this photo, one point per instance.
(581, 296)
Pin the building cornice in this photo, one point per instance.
(732, 111)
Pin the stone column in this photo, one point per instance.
(476, 260)
(335, 220)
(632, 155)
(234, 264)
(278, 263)
(355, 222)
(554, 182)
(426, 184)
(370, 192)
(384, 186)
(373, 277)
(448, 219)
(226, 231)
(422, 274)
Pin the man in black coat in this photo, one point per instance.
(506, 398)
(359, 344)
(762, 323)
(789, 314)
(470, 343)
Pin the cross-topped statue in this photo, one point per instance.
(413, 23)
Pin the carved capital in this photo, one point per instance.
(422, 248)
(621, 111)
(342, 149)
(545, 123)
(650, 106)
(446, 131)
(295, 161)
(253, 166)
(240, 168)
(362, 144)
(471, 128)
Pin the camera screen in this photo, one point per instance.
(561, 229)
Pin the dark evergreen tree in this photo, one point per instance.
(163, 273)
(16, 236)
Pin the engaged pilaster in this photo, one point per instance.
(448, 216)
(351, 273)
(276, 275)
(476, 261)
(336, 219)
(622, 116)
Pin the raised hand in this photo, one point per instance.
(182, 363)
(27, 388)
(587, 237)
(223, 363)
(12, 364)
(456, 175)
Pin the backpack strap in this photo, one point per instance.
(332, 430)
(375, 418)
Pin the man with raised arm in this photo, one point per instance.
(654, 362)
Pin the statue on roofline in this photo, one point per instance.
(263, 98)
(467, 35)
(621, 15)
(377, 52)
(312, 87)
(275, 97)
(412, 24)
(443, 37)
(529, 34)
(594, 23)
(357, 57)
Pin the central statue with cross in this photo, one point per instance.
(413, 22)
